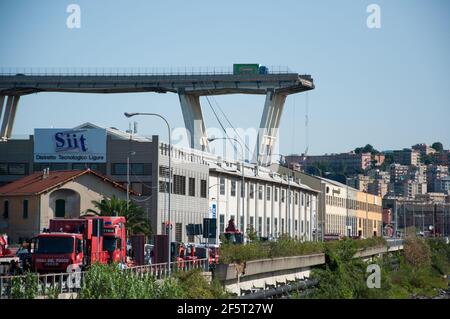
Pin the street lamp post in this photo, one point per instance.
(170, 180)
(243, 178)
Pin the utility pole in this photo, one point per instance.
(404, 220)
(169, 259)
(423, 221)
(395, 215)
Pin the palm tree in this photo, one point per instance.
(136, 222)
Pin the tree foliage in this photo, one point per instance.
(136, 221)
(438, 146)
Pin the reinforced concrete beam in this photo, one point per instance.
(193, 120)
(9, 116)
(268, 129)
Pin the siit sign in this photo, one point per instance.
(70, 145)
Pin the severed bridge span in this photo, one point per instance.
(190, 86)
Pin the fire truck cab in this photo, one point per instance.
(80, 242)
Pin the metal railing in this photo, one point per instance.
(59, 283)
(129, 71)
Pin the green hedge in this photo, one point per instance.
(284, 247)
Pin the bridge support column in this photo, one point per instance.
(193, 120)
(9, 116)
(268, 129)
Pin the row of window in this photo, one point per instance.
(259, 226)
(352, 204)
(179, 186)
(24, 209)
(144, 169)
(13, 168)
(337, 224)
(222, 190)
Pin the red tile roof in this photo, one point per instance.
(35, 184)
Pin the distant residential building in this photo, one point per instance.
(423, 215)
(432, 197)
(424, 149)
(349, 161)
(398, 172)
(407, 157)
(360, 182)
(379, 159)
(378, 187)
(442, 185)
(435, 173)
(442, 158)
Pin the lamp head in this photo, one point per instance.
(130, 114)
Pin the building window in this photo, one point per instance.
(3, 169)
(282, 225)
(268, 195)
(25, 209)
(252, 222)
(283, 195)
(233, 187)
(222, 223)
(179, 184)
(222, 185)
(260, 226)
(163, 187)
(60, 208)
(119, 169)
(276, 194)
(260, 192)
(164, 171)
(302, 225)
(178, 232)
(268, 226)
(296, 226)
(242, 189)
(17, 169)
(191, 186)
(296, 198)
(275, 226)
(252, 190)
(203, 188)
(5, 209)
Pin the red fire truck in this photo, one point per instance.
(80, 242)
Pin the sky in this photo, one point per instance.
(387, 86)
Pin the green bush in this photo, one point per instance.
(24, 287)
(195, 286)
(109, 282)
(284, 247)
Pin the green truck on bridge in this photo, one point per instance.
(245, 69)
